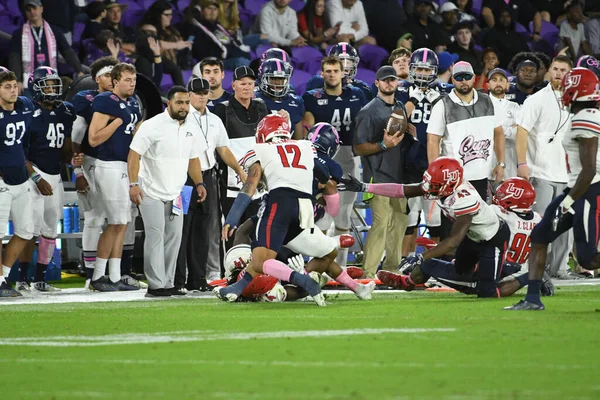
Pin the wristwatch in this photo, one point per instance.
(382, 145)
(501, 164)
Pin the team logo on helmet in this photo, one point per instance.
(572, 81)
(515, 191)
(450, 176)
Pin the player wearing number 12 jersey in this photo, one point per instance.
(287, 167)
(337, 105)
(116, 118)
(49, 146)
(15, 198)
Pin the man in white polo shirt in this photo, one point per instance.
(199, 250)
(166, 145)
(541, 126)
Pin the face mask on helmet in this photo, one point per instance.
(350, 65)
(48, 88)
(275, 84)
(422, 75)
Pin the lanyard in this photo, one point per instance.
(38, 37)
(199, 121)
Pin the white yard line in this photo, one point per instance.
(198, 336)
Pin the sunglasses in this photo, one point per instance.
(463, 77)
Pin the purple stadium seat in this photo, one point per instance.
(227, 80)
(182, 4)
(299, 80)
(187, 75)
(13, 8)
(246, 18)
(305, 56)
(548, 28)
(254, 6)
(371, 57)
(166, 83)
(296, 5)
(520, 28)
(365, 75)
(477, 6)
(77, 31)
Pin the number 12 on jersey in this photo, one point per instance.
(287, 150)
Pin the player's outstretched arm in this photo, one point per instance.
(242, 201)
(394, 190)
(448, 245)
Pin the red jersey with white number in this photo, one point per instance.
(287, 164)
(520, 226)
(466, 201)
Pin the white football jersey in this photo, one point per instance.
(519, 246)
(585, 125)
(466, 201)
(288, 164)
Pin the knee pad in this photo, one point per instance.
(435, 231)
(92, 220)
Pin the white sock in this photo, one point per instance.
(2, 279)
(100, 268)
(342, 257)
(5, 271)
(114, 269)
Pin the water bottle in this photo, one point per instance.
(67, 218)
(75, 209)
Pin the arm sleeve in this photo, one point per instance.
(563, 30)
(79, 127)
(586, 124)
(268, 26)
(437, 120)
(362, 21)
(143, 139)
(194, 149)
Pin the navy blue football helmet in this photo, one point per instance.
(426, 61)
(278, 54)
(45, 84)
(274, 68)
(591, 63)
(325, 138)
(348, 56)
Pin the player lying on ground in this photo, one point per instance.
(478, 236)
(577, 207)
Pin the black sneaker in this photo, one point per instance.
(525, 305)
(158, 293)
(124, 287)
(175, 291)
(7, 291)
(103, 285)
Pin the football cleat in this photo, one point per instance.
(395, 281)
(525, 305)
(103, 285)
(23, 286)
(354, 272)
(44, 287)
(86, 286)
(7, 291)
(124, 287)
(229, 297)
(320, 299)
(321, 279)
(364, 292)
(346, 241)
(130, 280)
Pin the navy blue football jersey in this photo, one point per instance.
(224, 97)
(338, 111)
(82, 102)
(316, 82)
(417, 156)
(292, 103)
(116, 148)
(14, 138)
(335, 170)
(516, 95)
(49, 130)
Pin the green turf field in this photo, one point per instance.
(462, 348)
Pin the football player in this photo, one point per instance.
(274, 88)
(116, 117)
(589, 62)
(15, 197)
(524, 66)
(350, 59)
(478, 236)
(418, 96)
(577, 206)
(49, 146)
(287, 167)
(337, 105)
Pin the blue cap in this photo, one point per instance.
(445, 60)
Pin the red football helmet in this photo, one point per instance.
(442, 178)
(580, 84)
(272, 126)
(515, 194)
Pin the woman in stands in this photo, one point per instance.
(311, 24)
(160, 15)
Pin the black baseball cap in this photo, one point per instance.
(386, 72)
(198, 85)
(242, 72)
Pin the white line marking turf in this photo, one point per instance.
(198, 336)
